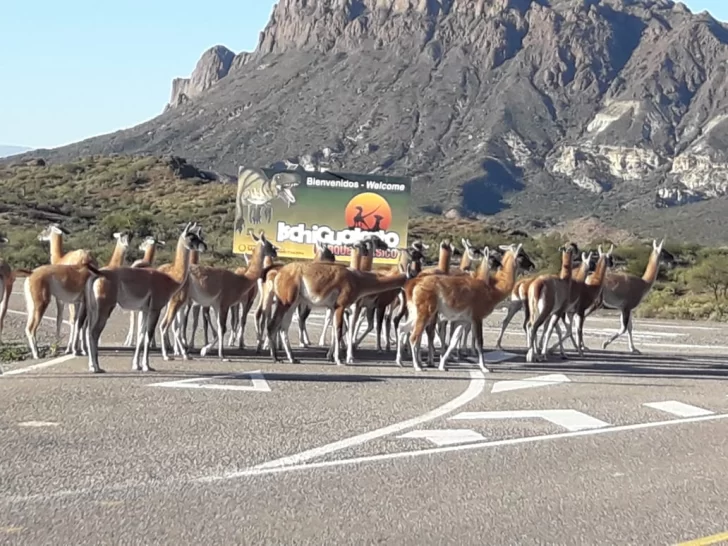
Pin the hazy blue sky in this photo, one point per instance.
(77, 68)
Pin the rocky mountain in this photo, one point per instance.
(539, 111)
(6, 150)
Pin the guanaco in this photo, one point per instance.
(457, 298)
(7, 280)
(142, 289)
(324, 285)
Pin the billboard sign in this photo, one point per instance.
(298, 208)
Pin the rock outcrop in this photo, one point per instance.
(213, 66)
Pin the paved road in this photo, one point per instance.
(608, 449)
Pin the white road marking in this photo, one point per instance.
(475, 388)
(40, 366)
(570, 419)
(445, 436)
(258, 379)
(678, 408)
(540, 381)
(257, 471)
(38, 424)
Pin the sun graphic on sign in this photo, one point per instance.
(369, 212)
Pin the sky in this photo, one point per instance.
(77, 68)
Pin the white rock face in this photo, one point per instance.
(697, 173)
(520, 151)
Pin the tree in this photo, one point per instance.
(711, 276)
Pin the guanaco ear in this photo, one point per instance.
(611, 249)
(465, 243)
(117, 235)
(599, 249)
(3, 240)
(252, 234)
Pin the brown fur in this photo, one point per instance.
(149, 247)
(625, 292)
(7, 281)
(588, 293)
(142, 289)
(323, 285)
(54, 235)
(548, 296)
(63, 282)
(460, 298)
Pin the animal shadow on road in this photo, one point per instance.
(646, 365)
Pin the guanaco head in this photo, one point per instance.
(193, 239)
(608, 260)
(494, 260)
(51, 230)
(374, 243)
(662, 254)
(473, 253)
(523, 261)
(589, 261)
(123, 238)
(419, 246)
(519, 255)
(447, 246)
(325, 253)
(269, 249)
(150, 241)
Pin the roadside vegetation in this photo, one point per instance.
(96, 196)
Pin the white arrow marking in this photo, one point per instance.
(540, 381)
(678, 408)
(570, 419)
(259, 383)
(445, 437)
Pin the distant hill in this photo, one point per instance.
(536, 112)
(7, 150)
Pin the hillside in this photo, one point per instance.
(536, 112)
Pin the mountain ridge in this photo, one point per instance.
(616, 109)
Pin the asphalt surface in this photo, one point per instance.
(247, 452)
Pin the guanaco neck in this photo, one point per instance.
(117, 257)
(466, 261)
(187, 257)
(182, 257)
(581, 273)
(356, 257)
(56, 242)
(149, 253)
(255, 269)
(443, 263)
(367, 261)
(505, 278)
(653, 266)
(483, 271)
(600, 272)
(566, 266)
